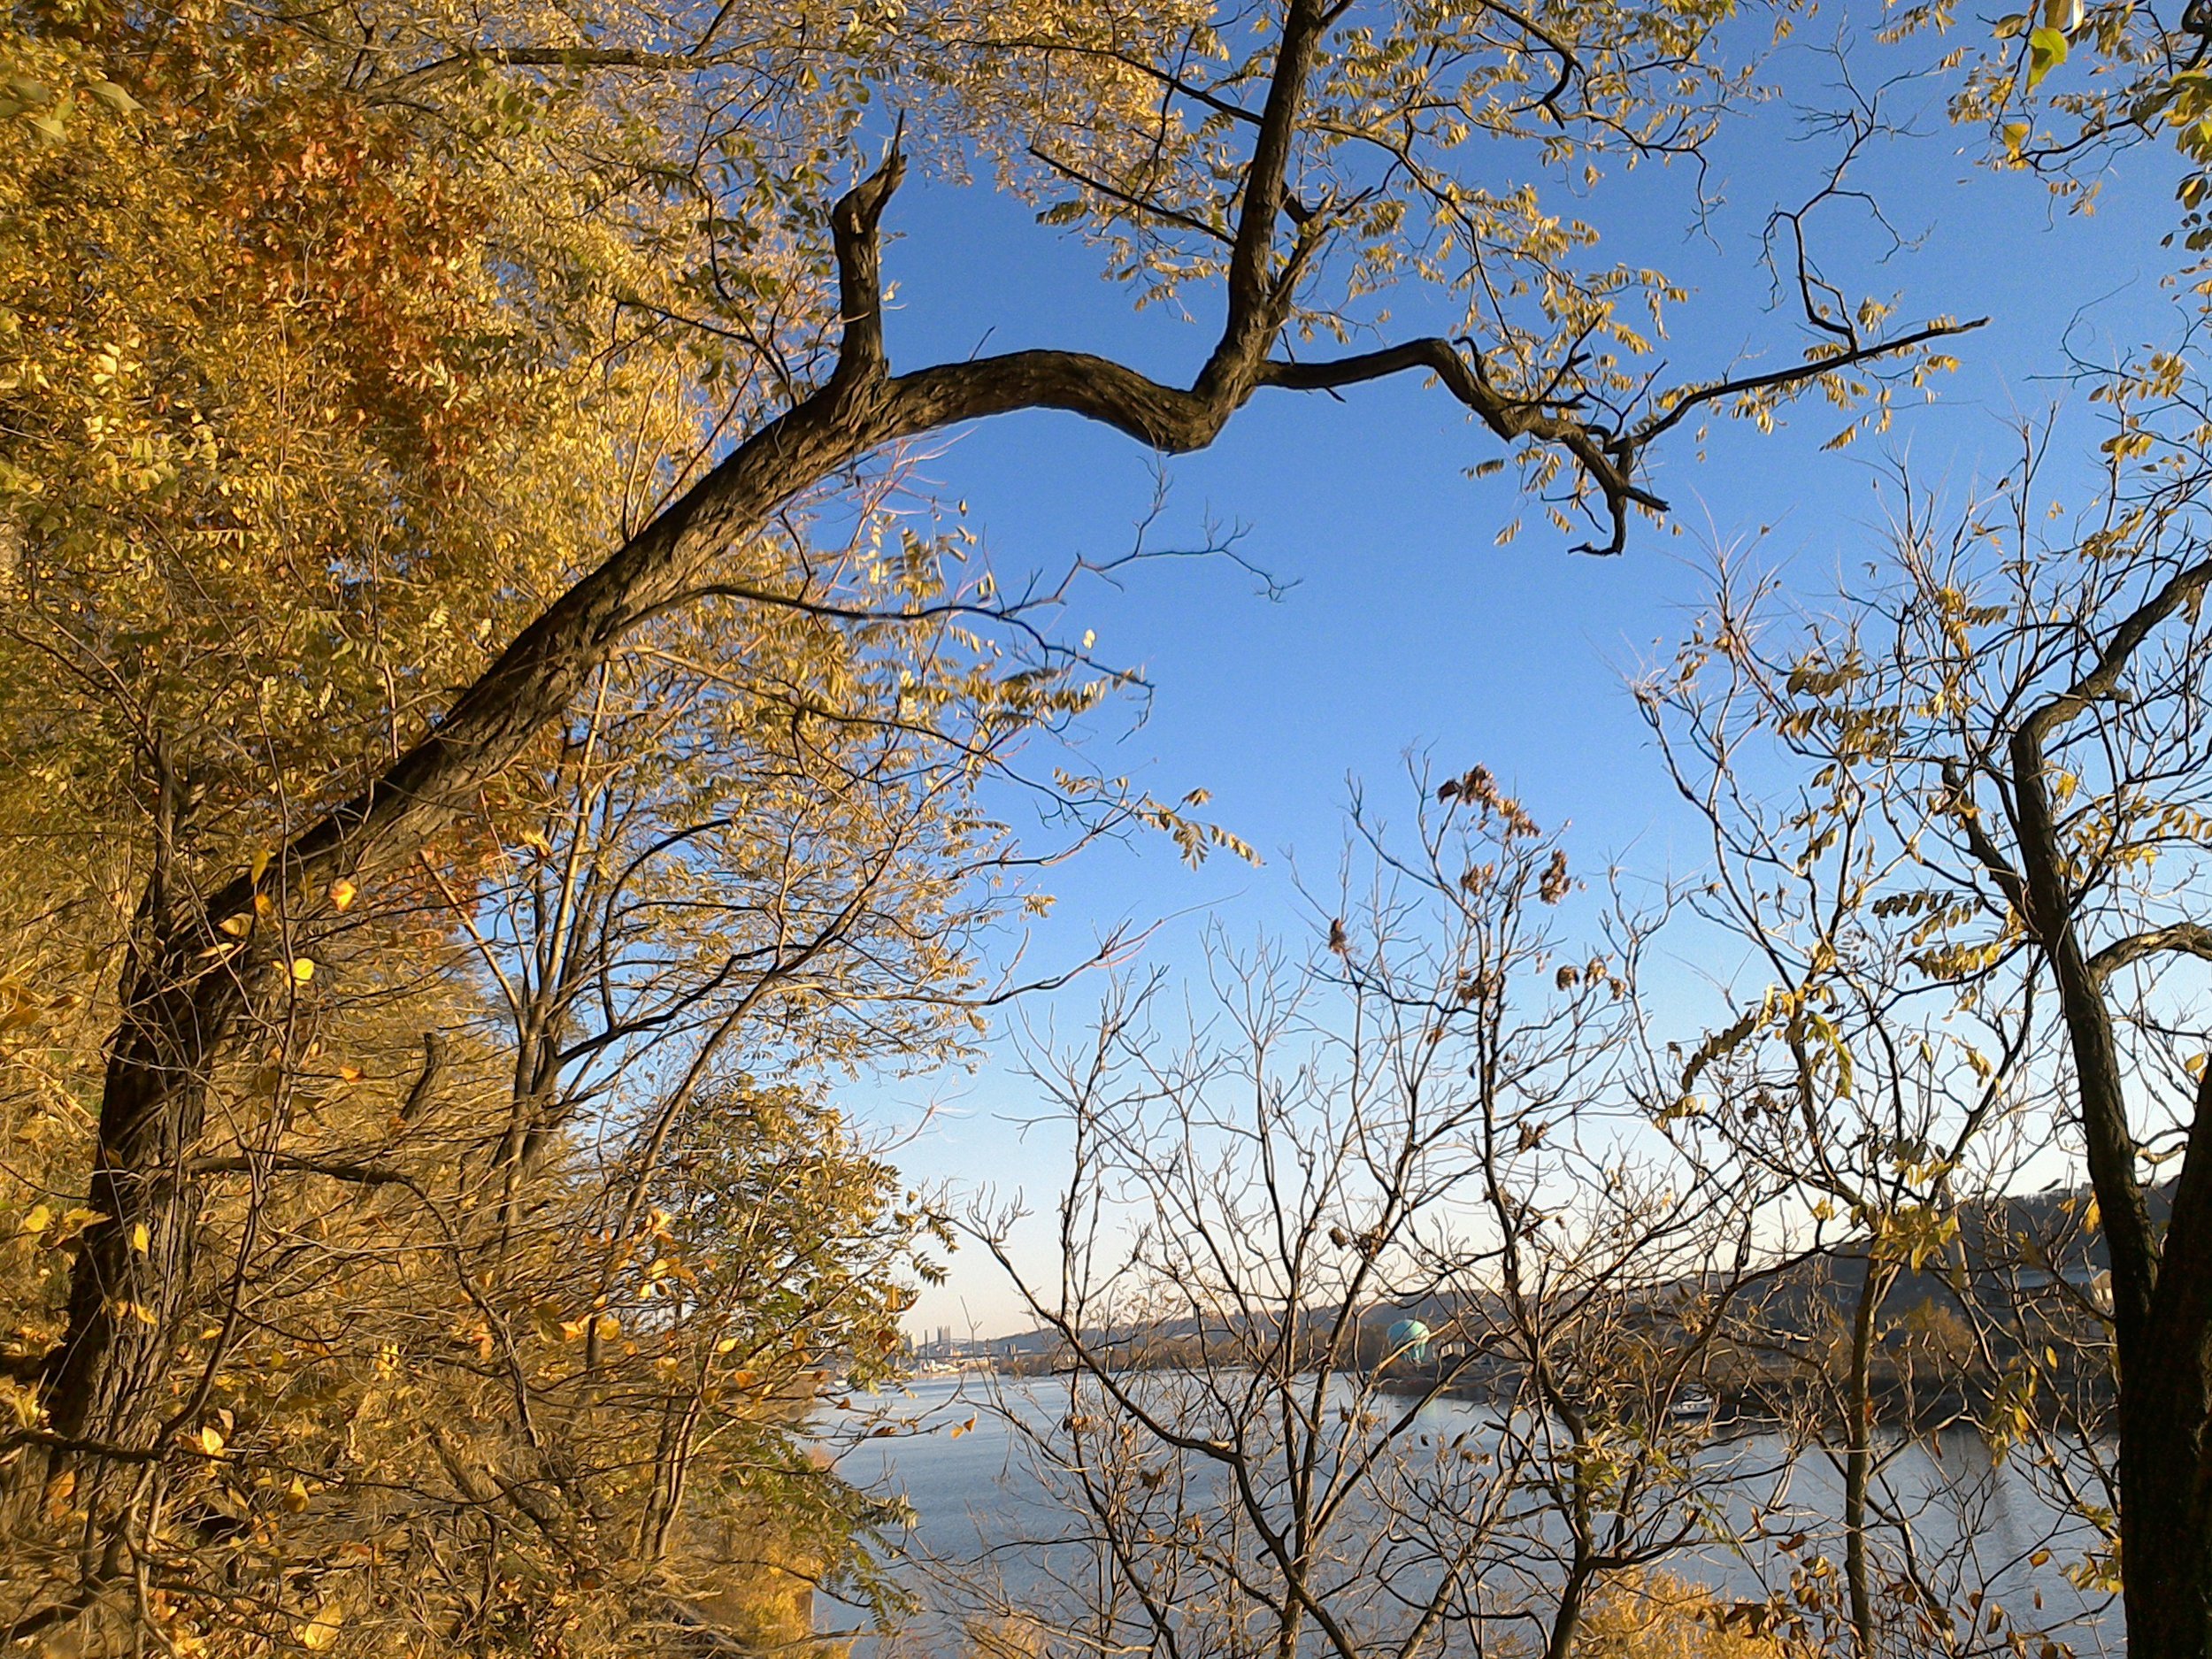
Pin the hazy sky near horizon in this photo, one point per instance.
(1400, 626)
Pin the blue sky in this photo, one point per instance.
(1403, 625)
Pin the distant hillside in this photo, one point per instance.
(2024, 1276)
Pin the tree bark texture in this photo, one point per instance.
(2160, 1287)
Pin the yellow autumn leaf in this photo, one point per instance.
(302, 970)
(113, 96)
(141, 1239)
(322, 1631)
(20, 1403)
(212, 1440)
(2047, 50)
(73, 1222)
(342, 892)
(18, 1007)
(37, 1218)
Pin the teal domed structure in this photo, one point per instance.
(1410, 1341)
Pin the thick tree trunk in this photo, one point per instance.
(2166, 1428)
(2165, 1532)
(134, 1263)
(2162, 1288)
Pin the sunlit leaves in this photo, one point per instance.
(2047, 50)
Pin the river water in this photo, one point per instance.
(946, 1446)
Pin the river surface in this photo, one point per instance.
(946, 1448)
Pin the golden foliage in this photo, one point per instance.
(1652, 1615)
